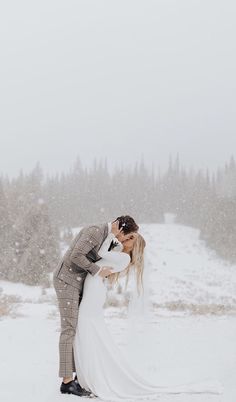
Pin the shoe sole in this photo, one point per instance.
(82, 396)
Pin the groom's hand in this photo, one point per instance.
(105, 271)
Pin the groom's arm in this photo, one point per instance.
(90, 238)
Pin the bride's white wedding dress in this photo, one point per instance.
(101, 367)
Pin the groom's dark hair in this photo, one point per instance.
(127, 224)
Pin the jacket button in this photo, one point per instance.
(78, 278)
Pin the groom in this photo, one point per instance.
(79, 260)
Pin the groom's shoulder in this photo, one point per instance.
(100, 229)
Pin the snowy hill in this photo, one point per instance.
(189, 334)
(184, 274)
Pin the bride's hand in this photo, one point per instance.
(105, 271)
(115, 228)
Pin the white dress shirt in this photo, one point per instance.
(106, 244)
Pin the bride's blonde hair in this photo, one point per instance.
(136, 263)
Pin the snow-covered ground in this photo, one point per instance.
(188, 334)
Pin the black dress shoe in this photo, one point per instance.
(73, 388)
(86, 393)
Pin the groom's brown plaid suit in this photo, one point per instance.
(79, 260)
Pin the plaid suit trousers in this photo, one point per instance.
(68, 299)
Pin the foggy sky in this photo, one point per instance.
(121, 79)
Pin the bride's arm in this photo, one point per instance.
(118, 261)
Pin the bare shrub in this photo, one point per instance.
(197, 309)
(8, 305)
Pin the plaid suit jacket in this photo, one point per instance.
(80, 259)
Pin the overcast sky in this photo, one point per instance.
(119, 79)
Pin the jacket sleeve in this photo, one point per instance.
(90, 238)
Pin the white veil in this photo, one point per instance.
(140, 336)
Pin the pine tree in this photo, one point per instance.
(41, 250)
(5, 233)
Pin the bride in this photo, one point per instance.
(100, 365)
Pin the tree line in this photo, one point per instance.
(35, 209)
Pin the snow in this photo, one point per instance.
(26, 294)
(185, 337)
(19, 289)
(183, 270)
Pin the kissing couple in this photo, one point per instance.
(86, 346)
